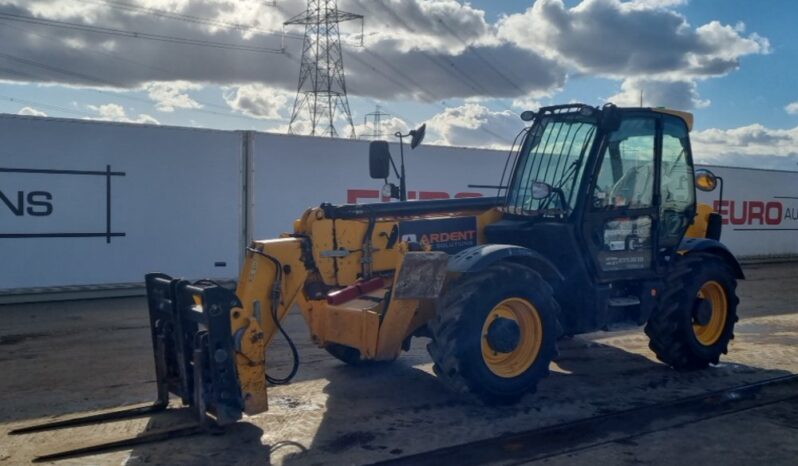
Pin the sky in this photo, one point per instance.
(467, 69)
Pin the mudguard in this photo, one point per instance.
(478, 258)
(691, 245)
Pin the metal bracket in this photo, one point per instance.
(340, 252)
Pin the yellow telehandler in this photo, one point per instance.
(594, 225)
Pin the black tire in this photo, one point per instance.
(670, 327)
(351, 356)
(456, 346)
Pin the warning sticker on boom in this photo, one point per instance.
(450, 235)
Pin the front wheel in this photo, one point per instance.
(698, 309)
(495, 333)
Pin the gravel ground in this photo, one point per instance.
(57, 359)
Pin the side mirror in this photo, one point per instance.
(541, 190)
(527, 115)
(705, 180)
(379, 160)
(417, 136)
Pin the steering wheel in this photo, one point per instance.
(544, 202)
(672, 221)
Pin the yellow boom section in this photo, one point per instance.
(270, 282)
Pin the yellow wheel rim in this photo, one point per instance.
(710, 333)
(526, 316)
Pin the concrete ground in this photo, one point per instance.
(57, 359)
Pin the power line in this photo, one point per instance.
(452, 69)
(200, 20)
(131, 7)
(59, 70)
(398, 71)
(118, 85)
(433, 61)
(43, 105)
(479, 55)
(135, 35)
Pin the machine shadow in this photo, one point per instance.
(239, 444)
(378, 413)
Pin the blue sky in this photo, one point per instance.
(467, 69)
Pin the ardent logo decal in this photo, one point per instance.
(450, 235)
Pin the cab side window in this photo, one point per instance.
(676, 185)
(626, 176)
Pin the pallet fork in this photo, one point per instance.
(194, 360)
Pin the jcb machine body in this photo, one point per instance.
(596, 225)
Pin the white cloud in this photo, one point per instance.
(420, 49)
(427, 50)
(30, 111)
(443, 26)
(792, 108)
(116, 112)
(680, 95)
(527, 103)
(474, 125)
(259, 101)
(171, 95)
(627, 39)
(657, 3)
(749, 146)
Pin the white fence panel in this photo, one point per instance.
(293, 173)
(760, 211)
(87, 203)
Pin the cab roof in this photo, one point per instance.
(587, 110)
(686, 116)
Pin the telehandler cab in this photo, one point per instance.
(596, 225)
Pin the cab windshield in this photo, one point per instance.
(554, 153)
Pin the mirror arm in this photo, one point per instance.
(395, 170)
(402, 185)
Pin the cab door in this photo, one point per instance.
(620, 225)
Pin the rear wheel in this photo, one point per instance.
(698, 309)
(495, 333)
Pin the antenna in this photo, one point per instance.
(321, 92)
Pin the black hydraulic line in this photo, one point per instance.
(276, 295)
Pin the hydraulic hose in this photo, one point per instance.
(276, 296)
